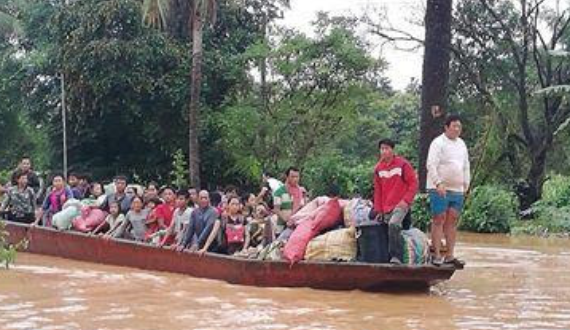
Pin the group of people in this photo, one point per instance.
(230, 222)
(219, 221)
(448, 179)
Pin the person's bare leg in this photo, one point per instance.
(437, 224)
(450, 232)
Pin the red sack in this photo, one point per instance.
(327, 216)
(235, 233)
(89, 220)
(95, 218)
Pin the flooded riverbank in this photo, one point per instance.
(509, 283)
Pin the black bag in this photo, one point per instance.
(372, 242)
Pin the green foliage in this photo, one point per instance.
(8, 251)
(5, 176)
(352, 179)
(490, 209)
(556, 192)
(320, 89)
(526, 101)
(126, 86)
(179, 171)
(552, 212)
(421, 215)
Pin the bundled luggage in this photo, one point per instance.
(327, 217)
(336, 245)
(62, 219)
(89, 219)
(416, 247)
(356, 212)
(372, 239)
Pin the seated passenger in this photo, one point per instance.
(98, 194)
(180, 219)
(203, 221)
(151, 191)
(233, 225)
(259, 231)
(134, 225)
(73, 183)
(119, 195)
(53, 203)
(161, 217)
(113, 220)
(249, 203)
(217, 203)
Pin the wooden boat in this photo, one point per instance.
(318, 275)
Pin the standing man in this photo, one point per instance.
(395, 186)
(25, 167)
(288, 198)
(20, 202)
(448, 178)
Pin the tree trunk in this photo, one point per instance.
(263, 70)
(534, 181)
(194, 106)
(435, 77)
(178, 17)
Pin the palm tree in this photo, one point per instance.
(202, 12)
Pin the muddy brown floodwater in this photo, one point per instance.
(509, 283)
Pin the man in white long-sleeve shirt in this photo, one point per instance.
(448, 177)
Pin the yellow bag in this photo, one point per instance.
(335, 245)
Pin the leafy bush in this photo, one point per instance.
(179, 171)
(552, 212)
(556, 192)
(551, 220)
(421, 216)
(4, 176)
(8, 251)
(490, 209)
(320, 173)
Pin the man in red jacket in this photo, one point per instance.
(395, 186)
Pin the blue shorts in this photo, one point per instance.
(439, 204)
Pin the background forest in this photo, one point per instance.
(156, 87)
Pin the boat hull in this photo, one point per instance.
(318, 275)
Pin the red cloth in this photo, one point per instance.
(89, 219)
(165, 212)
(393, 182)
(327, 216)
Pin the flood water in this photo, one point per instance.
(509, 283)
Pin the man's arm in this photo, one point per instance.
(411, 180)
(189, 233)
(432, 163)
(377, 189)
(33, 200)
(277, 200)
(215, 228)
(466, 170)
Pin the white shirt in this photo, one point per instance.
(448, 163)
(181, 219)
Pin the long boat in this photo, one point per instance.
(317, 275)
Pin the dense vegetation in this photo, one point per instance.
(273, 97)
